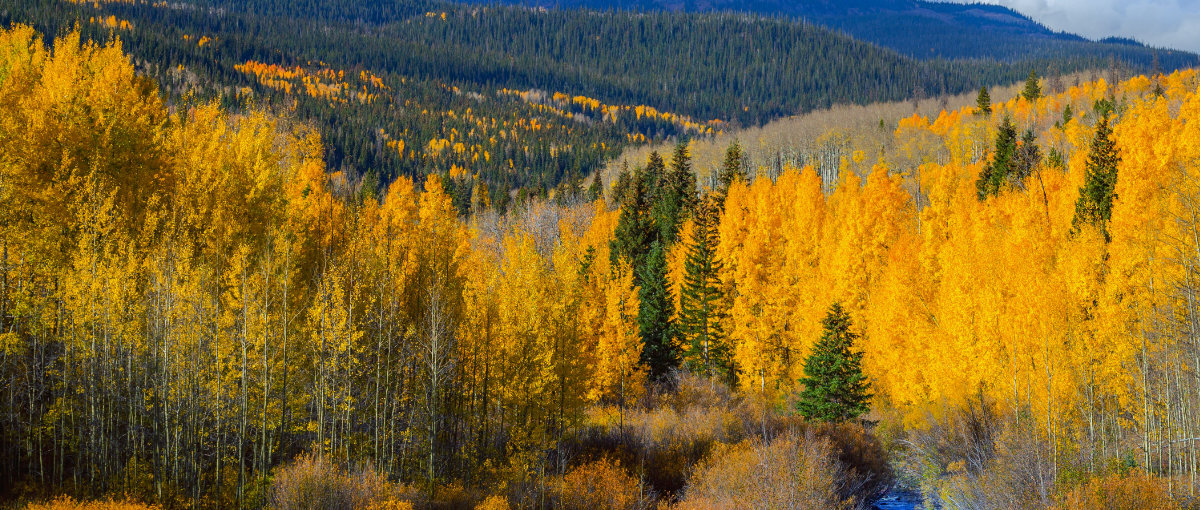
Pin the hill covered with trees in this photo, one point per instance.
(921, 29)
(526, 99)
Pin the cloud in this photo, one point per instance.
(1162, 23)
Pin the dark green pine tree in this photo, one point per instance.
(620, 188)
(983, 103)
(676, 195)
(733, 169)
(702, 305)
(596, 190)
(996, 173)
(656, 316)
(1094, 206)
(835, 389)
(655, 172)
(1033, 89)
(636, 228)
(1026, 160)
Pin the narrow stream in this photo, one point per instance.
(900, 500)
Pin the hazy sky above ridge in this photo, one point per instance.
(1160, 23)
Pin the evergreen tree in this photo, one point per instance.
(636, 228)
(656, 316)
(1055, 160)
(620, 188)
(835, 389)
(1028, 157)
(1094, 205)
(676, 195)
(733, 169)
(1104, 107)
(983, 103)
(1033, 89)
(596, 190)
(654, 174)
(996, 173)
(702, 305)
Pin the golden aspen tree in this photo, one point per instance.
(618, 375)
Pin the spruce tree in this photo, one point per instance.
(636, 229)
(656, 312)
(676, 195)
(596, 190)
(1033, 89)
(654, 173)
(996, 173)
(622, 185)
(1026, 160)
(702, 305)
(733, 169)
(983, 103)
(1094, 205)
(835, 389)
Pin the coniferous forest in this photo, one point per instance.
(363, 255)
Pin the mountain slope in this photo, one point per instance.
(507, 95)
(921, 29)
(520, 97)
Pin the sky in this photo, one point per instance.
(1159, 23)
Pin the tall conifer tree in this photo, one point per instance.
(703, 308)
(996, 173)
(835, 389)
(636, 228)
(733, 169)
(676, 195)
(1094, 205)
(983, 103)
(656, 312)
(1033, 88)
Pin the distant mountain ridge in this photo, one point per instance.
(921, 29)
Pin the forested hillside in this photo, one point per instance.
(525, 99)
(921, 29)
(196, 313)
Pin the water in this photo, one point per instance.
(899, 500)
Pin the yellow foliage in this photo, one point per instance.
(66, 503)
(789, 472)
(1134, 491)
(602, 484)
(495, 502)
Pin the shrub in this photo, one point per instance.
(66, 503)
(601, 485)
(682, 422)
(496, 502)
(685, 389)
(793, 471)
(1135, 491)
(314, 482)
(663, 441)
(866, 472)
